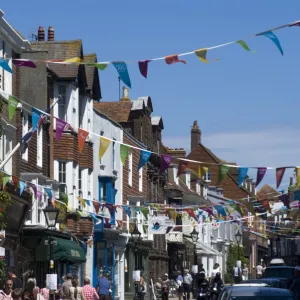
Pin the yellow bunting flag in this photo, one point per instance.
(81, 200)
(73, 60)
(202, 171)
(173, 214)
(298, 176)
(201, 53)
(104, 143)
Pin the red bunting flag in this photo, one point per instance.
(172, 59)
(82, 135)
(191, 213)
(279, 176)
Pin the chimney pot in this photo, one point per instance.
(195, 136)
(125, 96)
(41, 34)
(50, 34)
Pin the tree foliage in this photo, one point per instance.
(231, 261)
(2, 271)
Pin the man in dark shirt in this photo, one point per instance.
(17, 283)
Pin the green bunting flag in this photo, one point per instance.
(99, 66)
(123, 153)
(244, 45)
(5, 179)
(145, 212)
(12, 106)
(223, 170)
(145, 229)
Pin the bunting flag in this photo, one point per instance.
(242, 175)
(165, 161)
(124, 150)
(100, 66)
(145, 229)
(73, 60)
(5, 179)
(81, 200)
(137, 209)
(12, 106)
(279, 176)
(273, 38)
(33, 186)
(143, 66)
(36, 114)
(96, 206)
(191, 213)
(82, 135)
(172, 59)
(53, 202)
(182, 167)
(4, 65)
(144, 157)
(297, 176)
(60, 127)
(223, 170)
(120, 223)
(104, 144)
(111, 208)
(23, 63)
(201, 54)
(244, 45)
(48, 192)
(39, 195)
(145, 212)
(173, 214)
(122, 70)
(260, 175)
(22, 187)
(202, 171)
(127, 210)
(221, 210)
(87, 202)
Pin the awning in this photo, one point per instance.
(65, 251)
(201, 248)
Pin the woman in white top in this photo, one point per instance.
(76, 291)
(215, 270)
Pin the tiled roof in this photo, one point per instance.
(117, 111)
(89, 71)
(61, 50)
(268, 191)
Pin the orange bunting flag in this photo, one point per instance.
(82, 135)
(81, 200)
(96, 206)
(201, 53)
(172, 59)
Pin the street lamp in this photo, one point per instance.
(136, 236)
(238, 237)
(194, 236)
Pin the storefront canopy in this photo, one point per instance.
(64, 250)
(201, 248)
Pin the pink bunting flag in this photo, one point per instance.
(60, 127)
(24, 63)
(143, 66)
(39, 195)
(172, 59)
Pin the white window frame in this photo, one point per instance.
(62, 103)
(130, 169)
(39, 147)
(62, 171)
(198, 187)
(24, 131)
(80, 181)
(188, 179)
(207, 176)
(140, 179)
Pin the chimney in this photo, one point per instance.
(125, 96)
(50, 34)
(195, 136)
(41, 34)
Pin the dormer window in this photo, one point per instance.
(207, 177)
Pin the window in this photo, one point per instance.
(89, 184)
(62, 103)
(101, 134)
(140, 179)
(130, 169)
(62, 172)
(103, 191)
(114, 155)
(198, 187)
(39, 147)
(207, 177)
(24, 131)
(80, 182)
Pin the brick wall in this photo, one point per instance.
(85, 158)
(134, 189)
(231, 190)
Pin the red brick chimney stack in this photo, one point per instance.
(41, 34)
(195, 136)
(50, 34)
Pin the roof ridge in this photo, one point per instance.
(57, 42)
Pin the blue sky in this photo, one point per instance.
(247, 105)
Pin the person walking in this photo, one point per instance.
(65, 287)
(245, 273)
(187, 284)
(143, 288)
(88, 291)
(165, 287)
(76, 291)
(103, 287)
(6, 294)
(17, 283)
(259, 271)
(216, 269)
(237, 272)
(179, 282)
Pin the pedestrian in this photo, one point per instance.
(17, 283)
(7, 291)
(216, 269)
(65, 287)
(259, 271)
(201, 269)
(245, 272)
(187, 284)
(17, 294)
(165, 287)
(179, 282)
(76, 292)
(103, 287)
(237, 272)
(143, 288)
(45, 292)
(88, 291)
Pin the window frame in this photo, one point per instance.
(141, 179)
(130, 158)
(62, 103)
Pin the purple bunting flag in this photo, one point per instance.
(23, 63)
(260, 175)
(60, 127)
(33, 186)
(165, 161)
(39, 195)
(143, 66)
